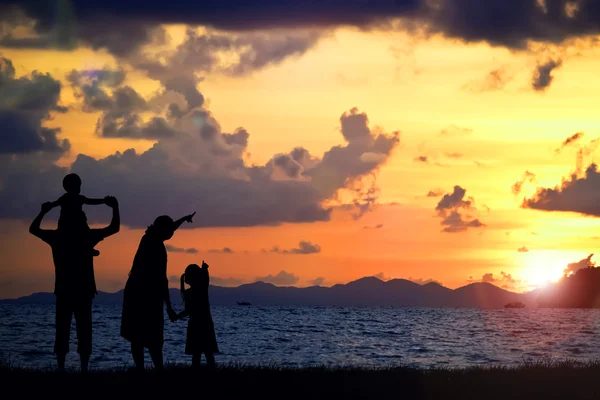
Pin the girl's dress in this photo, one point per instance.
(201, 336)
(142, 320)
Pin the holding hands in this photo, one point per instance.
(111, 201)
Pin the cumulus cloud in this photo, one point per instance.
(528, 177)
(198, 167)
(577, 194)
(542, 76)
(25, 105)
(457, 212)
(523, 249)
(504, 280)
(303, 248)
(283, 278)
(174, 249)
(422, 281)
(318, 281)
(581, 264)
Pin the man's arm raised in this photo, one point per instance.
(34, 228)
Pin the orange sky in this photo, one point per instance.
(418, 86)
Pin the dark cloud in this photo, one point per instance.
(523, 249)
(582, 264)
(318, 281)
(175, 249)
(542, 76)
(422, 281)
(518, 185)
(283, 278)
(422, 159)
(509, 23)
(25, 105)
(224, 250)
(456, 212)
(577, 194)
(570, 141)
(303, 248)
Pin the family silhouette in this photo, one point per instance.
(146, 292)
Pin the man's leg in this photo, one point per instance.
(157, 357)
(83, 321)
(63, 331)
(137, 352)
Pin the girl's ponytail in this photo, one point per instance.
(183, 286)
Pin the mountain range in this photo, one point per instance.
(369, 291)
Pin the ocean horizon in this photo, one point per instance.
(329, 336)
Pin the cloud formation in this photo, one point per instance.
(317, 281)
(421, 281)
(581, 264)
(303, 248)
(542, 76)
(26, 104)
(528, 177)
(378, 226)
(495, 80)
(505, 280)
(174, 249)
(226, 282)
(224, 250)
(457, 212)
(523, 249)
(197, 166)
(509, 23)
(283, 278)
(569, 141)
(577, 194)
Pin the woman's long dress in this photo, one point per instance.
(142, 319)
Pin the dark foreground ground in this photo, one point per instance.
(541, 380)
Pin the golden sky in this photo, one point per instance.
(468, 110)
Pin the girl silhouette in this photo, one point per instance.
(200, 332)
(147, 292)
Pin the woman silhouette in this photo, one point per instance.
(147, 291)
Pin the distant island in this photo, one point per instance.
(367, 292)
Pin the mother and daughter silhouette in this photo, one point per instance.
(146, 292)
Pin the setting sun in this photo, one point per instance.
(543, 267)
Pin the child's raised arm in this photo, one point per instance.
(93, 202)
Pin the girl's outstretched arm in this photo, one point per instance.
(181, 220)
(93, 202)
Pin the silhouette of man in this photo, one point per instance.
(75, 285)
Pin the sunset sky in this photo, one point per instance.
(319, 142)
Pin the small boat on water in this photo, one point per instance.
(243, 303)
(517, 304)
